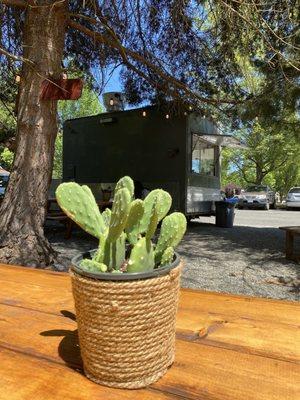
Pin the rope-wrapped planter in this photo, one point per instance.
(126, 324)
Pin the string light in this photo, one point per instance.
(190, 108)
(167, 116)
(185, 113)
(18, 78)
(111, 102)
(144, 114)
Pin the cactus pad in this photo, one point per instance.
(92, 266)
(172, 230)
(162, 201)
(106, 216)
(79, 204)
(141, 257)
(125, 182)
(134, 219)
(167, 257)
(119, 214)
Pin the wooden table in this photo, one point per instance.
(228, 347)
(290, 233)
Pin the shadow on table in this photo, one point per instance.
(68, 348)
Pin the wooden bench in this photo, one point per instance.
(290, 233)
(227, 348)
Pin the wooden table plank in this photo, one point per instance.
(199, 372)
(21, 328)
(247, 324)
(26, 378)
(195, 301)
(203, 372)
(228, 347)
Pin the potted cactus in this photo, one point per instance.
(126, 293)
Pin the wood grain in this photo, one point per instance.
(228, 347)
(25, 378)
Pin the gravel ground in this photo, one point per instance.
(247, 259)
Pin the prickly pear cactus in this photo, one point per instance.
(141, 257)
(125, 232)
(162, 201)
(114, 253)
(92, 266)
(127, 183)
(79, 204)
(106, 216)
(167, 257)
(119, 214)
(153, 220)
(132, 228)
(172, 230)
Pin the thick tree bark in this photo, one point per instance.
(22, 239)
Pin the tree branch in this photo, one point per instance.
(16, 58)
(125, 53)
(15, 3)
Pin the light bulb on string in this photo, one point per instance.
(144, 114)
(18, 79)
(167, 116)
(111, 102)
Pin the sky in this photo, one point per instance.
(114, 85)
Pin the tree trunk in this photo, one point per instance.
(22, 239)
(259, 175)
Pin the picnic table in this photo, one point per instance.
(228, 347)
(290, 233)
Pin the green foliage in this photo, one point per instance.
(272, 158)
(6, 158)
(58, 157)
(124, 244)
(88, 104)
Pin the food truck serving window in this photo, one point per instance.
(203, 156)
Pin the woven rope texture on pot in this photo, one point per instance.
(126, 328)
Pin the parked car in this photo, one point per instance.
(293, 198)
(257, 196)
(3, 184)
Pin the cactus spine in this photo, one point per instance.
(134, 221)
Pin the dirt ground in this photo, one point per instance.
(247, 259)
